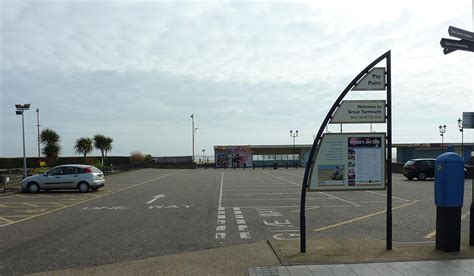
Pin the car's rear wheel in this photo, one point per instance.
(83, 187)
(33, 187)
(421, 176)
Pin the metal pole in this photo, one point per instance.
(442, 143)
(24, 154)
(38, 125)
(192, 118)
(389, 153)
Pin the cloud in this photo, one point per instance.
(249, 71)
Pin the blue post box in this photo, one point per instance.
(449, 197)
(449, 180)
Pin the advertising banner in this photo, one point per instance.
(233, 156)
(358, 112)
(349, 161)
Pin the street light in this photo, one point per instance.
(294, 135)
(20, 108)
(462, 137)
(203, 150)
(194, 132)
(442, 130)
(38, 126)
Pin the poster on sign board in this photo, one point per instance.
(349, 161)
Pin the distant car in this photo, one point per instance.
(81, 177)
(419, 168)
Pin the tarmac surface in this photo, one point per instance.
(164, 216)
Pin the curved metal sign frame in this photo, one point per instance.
(317, 141)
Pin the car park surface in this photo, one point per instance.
(156, 212)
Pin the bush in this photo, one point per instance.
(136, 157)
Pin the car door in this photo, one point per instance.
(70, 177)
(53, 179)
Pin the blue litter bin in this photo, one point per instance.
(449, 197)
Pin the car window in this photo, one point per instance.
(427, 163)
(70, 170)
(56, 171)
(409, 163)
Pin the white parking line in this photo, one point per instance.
(384, 195)
(220, 193)
(291, 182)
(355, 204)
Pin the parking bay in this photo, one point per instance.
(159, 212)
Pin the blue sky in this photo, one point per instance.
(249, 71)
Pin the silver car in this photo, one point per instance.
(82, 177)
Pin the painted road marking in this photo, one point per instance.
(155, 198)
(244, 235)
(291, 182)
(7, 220)
(347, 201)
(307, 208)
(107, 208)
(402, 199)
(31, 205)
(93, 197)
(221, 228)
(242, 227)
(220, 193)
(363, 217)
(432, 234)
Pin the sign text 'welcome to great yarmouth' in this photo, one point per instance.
(360, 111)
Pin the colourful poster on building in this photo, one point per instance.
(349, 161)
(233, 156)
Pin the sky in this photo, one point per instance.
(249, 71)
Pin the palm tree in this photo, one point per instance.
(51, 148)
(104, 144)
(83, 146)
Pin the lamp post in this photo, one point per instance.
(192, 129)
(294, 135)
(20, 108)
(38, 126)
(462, 137)
(203, 150)
(442, 130)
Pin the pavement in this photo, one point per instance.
(323, 257)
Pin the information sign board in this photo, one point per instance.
(349, 161)
(358, 112)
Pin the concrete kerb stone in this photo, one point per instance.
(351, 251)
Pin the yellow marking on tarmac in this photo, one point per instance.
(432, 234)
(47, 212)
(7, 220)
(1, 205)
(31, 205)
(21, 195)
(363, 217)
(55, 203)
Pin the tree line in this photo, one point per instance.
(84, 145)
